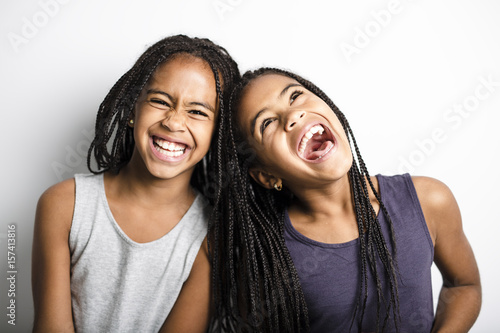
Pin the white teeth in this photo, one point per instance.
(169, 153)
(169, 148)
(312, 131)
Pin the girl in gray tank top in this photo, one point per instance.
(313, 242)
(124, 249)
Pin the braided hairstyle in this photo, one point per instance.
(113, 143)
(255, 284)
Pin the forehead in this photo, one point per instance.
(266, 87)
(261, 93)
(182, 63)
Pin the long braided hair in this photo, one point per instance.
(255, 284)
(113, 143)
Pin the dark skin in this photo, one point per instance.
(51, 266)
(275, 118)
(460, 297)
(179, 104)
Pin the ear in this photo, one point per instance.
(262, 178)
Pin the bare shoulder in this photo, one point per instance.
(50, 261)
(438, 204)
(57, 203)
(436, 189)
(60, 190)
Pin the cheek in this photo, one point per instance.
(145, 116)
(344, 139)
(142, 122)
(346, 158)
(275, 157)
(203, 132)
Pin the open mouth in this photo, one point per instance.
(316, 143)
(167, 148)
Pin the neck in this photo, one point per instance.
(330, 202)
(151, 192)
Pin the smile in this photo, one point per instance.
(168, 150)
(316, 143)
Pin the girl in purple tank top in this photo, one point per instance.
(304, 239)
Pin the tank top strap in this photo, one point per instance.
(87, 199)
(400, 198)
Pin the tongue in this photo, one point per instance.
(319, 151)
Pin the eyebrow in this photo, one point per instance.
(205, 105)
(281, 94)
(291, 85)
(154, 91)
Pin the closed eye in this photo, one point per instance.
(294, 96)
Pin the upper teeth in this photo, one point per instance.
(313, 130)
(172, 146)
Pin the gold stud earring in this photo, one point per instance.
(131, 122)
(277, 187)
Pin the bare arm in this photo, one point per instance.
(51, 259)
(191, 311)
(460, 297)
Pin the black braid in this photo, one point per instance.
(113, 143)
(252, 268)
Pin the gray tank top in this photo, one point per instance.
(118, 285)
(330, 273)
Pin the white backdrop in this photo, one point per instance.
(419, 81)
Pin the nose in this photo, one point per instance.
(174, 121)
(293, 118)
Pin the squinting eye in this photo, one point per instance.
(160, 101)
(294, 96)
(198, 112)
(264, 124)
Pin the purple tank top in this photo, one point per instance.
(330, 273)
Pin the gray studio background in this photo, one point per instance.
(418, 80)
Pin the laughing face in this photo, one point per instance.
(296, 135)
(174, 118)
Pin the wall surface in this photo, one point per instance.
(418, 80)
